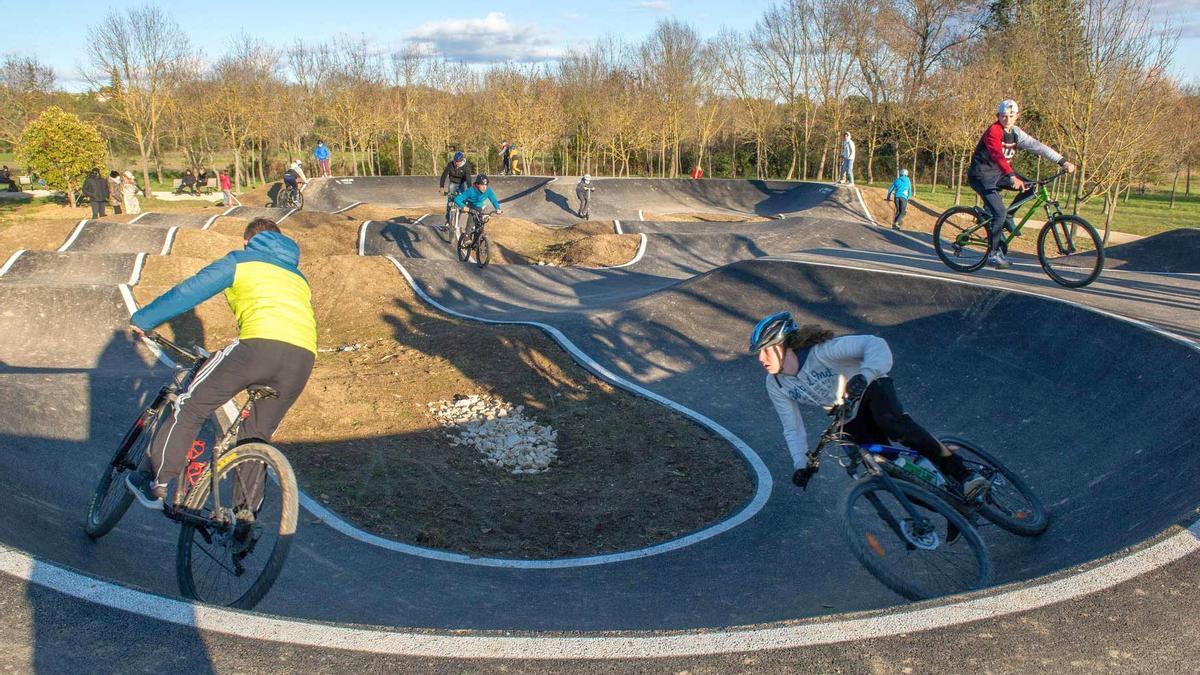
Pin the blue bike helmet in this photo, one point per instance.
(458, 157)
(772, 330)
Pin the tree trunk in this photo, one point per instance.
(937, 158)
(237, 168)
(1174, 185)
(1108, 218)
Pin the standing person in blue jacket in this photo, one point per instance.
(901, 190)
(321, 153)
(478, 195)
(276, 347)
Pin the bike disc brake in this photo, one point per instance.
(928, 541)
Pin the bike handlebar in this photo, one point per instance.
(164, 342)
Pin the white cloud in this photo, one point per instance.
(652, 5)
(492, 38)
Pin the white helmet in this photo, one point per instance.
(587, 177)
(903, 172)
(296, 163)
(1008, 107)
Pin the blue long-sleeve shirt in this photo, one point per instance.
(901, 187)
(321, 152)
(476, 198)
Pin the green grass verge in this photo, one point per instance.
(1142, 215)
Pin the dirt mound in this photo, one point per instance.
(362, 439)
(521, 242)
(38, 235)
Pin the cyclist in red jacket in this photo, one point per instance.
(990, 170)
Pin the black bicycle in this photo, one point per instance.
(236, 503)
(1069, 249)
(474, 238)
(907, 536)
(290, 198)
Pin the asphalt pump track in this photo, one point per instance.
(1077, 390)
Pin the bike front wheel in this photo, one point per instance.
(234, 560)
(464, 246)
(483, 251)
(942, 556)
(1009, 503)
(961, 239)
(112, 498)
(1070, 251)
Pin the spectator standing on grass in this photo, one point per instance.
(321, 154)
(226, 187)
(901, 191)
(506, 158)
(96, 190)
(129, 190)
(847, 154)
(114, 191)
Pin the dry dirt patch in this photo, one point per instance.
(628, 474)
(521, 242)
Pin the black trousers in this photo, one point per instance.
(901, 209)
(279, 365)
(993, 203)
(881, 419)
(98, 208)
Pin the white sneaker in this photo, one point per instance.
(996, 259)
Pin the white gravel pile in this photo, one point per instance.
(502, 433)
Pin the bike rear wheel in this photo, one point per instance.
(917, 564)
(961, 239)
(1010, 504)
(234, 562)
(1071, 251)
(112, 498)
(444, 230)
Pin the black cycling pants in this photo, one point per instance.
(881, 419)
(272, 363)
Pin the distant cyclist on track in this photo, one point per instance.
(991, 171)
(583, 191)
(808, 365)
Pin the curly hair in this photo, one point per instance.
(808, 335)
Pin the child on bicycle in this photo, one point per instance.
(293, 178)
(991, 171)
(478, 195)
(276, 347)
(807, 364)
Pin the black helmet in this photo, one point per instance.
(481, 179)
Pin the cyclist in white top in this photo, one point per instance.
(808, 365)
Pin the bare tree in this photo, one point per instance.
(26, 87)
(135, 56)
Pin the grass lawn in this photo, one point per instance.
(1142, 214)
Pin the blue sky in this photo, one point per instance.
(55, 30)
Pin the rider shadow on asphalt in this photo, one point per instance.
(94, 402)
(404, 234)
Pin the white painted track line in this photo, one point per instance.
(11, 259)
(74, 234)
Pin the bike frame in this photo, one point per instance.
(220, 454)
(856, 455)
(1035, 199)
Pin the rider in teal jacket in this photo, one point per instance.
(902, 190)
(477, 195)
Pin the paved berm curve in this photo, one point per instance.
(1087, 405)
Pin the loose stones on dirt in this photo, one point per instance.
(502, 433)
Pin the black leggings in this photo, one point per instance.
(881, 419)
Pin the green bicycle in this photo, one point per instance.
(1068, 247)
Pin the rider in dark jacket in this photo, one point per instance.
(459, 172)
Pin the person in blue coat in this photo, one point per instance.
(321, 154)
(478, 195)
(901, 190)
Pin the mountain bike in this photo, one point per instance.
(907, 536)
(474, 239)
(450, 230)
(290, 198)
(1068, 247)
(236, 503)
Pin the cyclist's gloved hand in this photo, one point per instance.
(801, 476)
(856, 387)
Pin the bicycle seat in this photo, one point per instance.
(261, 391)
